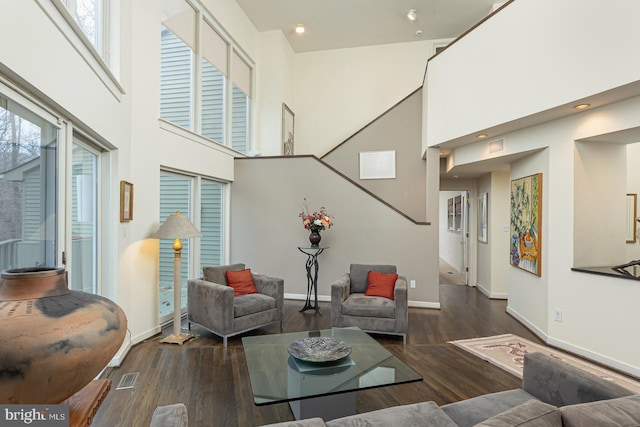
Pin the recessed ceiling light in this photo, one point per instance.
(299, 29)
(482, 136)
(412, 15)
(582, 106)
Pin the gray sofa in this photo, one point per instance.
(211, 303)
(553, 393)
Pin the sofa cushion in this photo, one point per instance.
(477, 409)
(623, 411)
(359, 273)
(245, 305)
(216, 274)
(380, 284)
(241, 282)
(417, 414)
(531, 413)
(360, 305)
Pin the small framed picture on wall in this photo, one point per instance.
(288, 121)
(126, 201)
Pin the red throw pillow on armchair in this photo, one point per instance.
(380, 284)
(241, 281)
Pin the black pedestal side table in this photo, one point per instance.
(312, 253)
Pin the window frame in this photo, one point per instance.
(67, 134)
(204, 17)
(107, 67)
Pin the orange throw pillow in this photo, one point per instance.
(380, 284)
(241, 282)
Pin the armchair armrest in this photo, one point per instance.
(400, 296)
(210, 305)
(339, 293)
(273, 287)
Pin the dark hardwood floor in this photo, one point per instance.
(213, 382)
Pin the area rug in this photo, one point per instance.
(507, 352)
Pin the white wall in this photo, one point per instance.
(274, 86)
(499, 211)
(339, 91)
(501, 71)
(493, 255)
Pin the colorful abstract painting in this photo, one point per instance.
(526, 223)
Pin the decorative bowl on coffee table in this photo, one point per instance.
(319, 349)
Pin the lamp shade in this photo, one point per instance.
(177, 226)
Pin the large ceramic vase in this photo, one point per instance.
(53, 341)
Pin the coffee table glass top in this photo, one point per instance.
(278, 377)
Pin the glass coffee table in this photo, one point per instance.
(324, 389)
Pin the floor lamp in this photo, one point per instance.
(177, 227)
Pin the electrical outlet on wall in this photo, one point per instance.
(557, 315)
(412, 284)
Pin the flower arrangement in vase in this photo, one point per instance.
(315, 222)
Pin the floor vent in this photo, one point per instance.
(128, 381)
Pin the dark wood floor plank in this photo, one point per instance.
(213, 381)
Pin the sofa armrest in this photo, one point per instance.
(339, 293)
(401, 298)
(210, 305)
(273, 287)
(558, 383)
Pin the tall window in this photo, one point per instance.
(211, 224)
(214, 69)
(175, 195)
(28, 188)
(181, 193)
(201, 89)
(84, 218)
(178, 43)
(91, 17)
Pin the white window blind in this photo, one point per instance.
(214, 49)
(180, 18)
(241, 74)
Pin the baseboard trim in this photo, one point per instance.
(489, 294)
(303, 297)
(146, 335)
(424, 304)
(533, 328)
(596, 357)
(575, 350)
(117, 360)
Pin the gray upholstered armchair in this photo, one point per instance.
(211, 302)
(351, 307)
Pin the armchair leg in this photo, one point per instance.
(224, 342)
(404, 339)
(281, 322)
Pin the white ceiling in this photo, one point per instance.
(336, 24)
